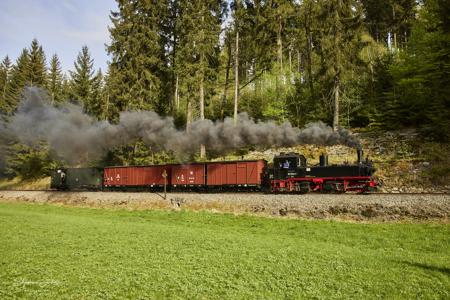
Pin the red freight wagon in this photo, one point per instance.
(241, 173)
(188, 175)
(148, 176)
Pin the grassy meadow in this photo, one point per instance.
(49, 252)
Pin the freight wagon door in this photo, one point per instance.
(241, 173)
(254, 170)
(231, 173)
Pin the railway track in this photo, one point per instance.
(225, 193)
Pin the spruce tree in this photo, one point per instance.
(5, 74)
(19, 77)
(37, 68)
(96, 105)
(65, 87)
(171, 35)
(200, 25)
(390, 18)
(138, 72)
(420, 96)
(340, 45)
(82, 78)
(55, 79)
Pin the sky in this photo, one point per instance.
(60, 26)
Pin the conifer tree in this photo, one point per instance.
(19, 77)
(5, 74)
(65, 87)
(340, 45)
(82, 78)
(138, 72)
(390, 18)
(55, 80)
(420, 95)
(281, 12)
(37, 68)
(172, 36)
(198, 52)
(96, 105)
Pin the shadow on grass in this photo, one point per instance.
(428, 267)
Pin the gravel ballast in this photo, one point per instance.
(380, 207)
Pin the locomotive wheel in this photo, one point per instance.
(303, 187)
(334, 187)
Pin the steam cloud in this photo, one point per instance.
(77, 137)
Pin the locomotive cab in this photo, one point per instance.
(58, 179)
(289, 161)
(288, 165)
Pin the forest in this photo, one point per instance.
(375, 65)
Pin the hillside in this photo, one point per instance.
(404, 162)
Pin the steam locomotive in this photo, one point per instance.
(289, 173)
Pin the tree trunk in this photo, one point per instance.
(280, 45)
(202, 87)
(175, 103)
(290, 61)
(202, 114)
(106, 111)
(227, 79)
(395, 40)
(309, 50)
(394, 33)
(176, 96)
(236, 77)
(188, 115)
(336, 102)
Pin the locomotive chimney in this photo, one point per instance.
(323, 160)
(360, 156)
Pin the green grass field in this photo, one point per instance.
(51, 252)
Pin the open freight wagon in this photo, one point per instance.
(235, 175)
(137, 177)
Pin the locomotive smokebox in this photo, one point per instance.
(323, 159)
(360, 156)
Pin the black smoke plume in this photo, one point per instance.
(77, 137)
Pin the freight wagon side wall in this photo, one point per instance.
(235, 173)
(193, 174)
(215, 172)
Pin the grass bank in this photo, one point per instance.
(61, 252)
(19, 184)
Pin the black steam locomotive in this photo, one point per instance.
(289, 173)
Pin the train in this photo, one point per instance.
(289, 173)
